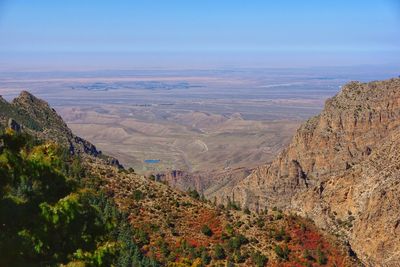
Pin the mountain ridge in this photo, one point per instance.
(36, 117)
(354, 124)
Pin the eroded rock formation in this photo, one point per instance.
(342, 170)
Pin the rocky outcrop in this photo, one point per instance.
(35, 116)
(332, 153)
(208, 183)
(362, 204)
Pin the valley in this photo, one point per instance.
(197, 121)
(312, 205)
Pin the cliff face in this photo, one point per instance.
(208, 183)
(335, 151)
(362, 204)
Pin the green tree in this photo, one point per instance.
(49, 216)
(206, 230)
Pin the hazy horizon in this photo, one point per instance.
(94, 35)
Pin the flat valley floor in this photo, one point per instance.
(190, 120)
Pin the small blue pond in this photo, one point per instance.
(152, 161)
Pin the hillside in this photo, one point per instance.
(37, 118)
(166, 227)
(341, 170)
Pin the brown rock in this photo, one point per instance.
(337, 162)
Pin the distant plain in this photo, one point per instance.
(191, 120)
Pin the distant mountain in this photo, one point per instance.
(342, 169)
(88, 212)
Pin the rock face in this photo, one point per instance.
(342, 163)
(36, 117)
(362, 204)
(207, 183)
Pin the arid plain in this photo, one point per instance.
(197, 121)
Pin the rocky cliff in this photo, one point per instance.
(35, 116)
(341, 169)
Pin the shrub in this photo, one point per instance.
(232, 205)
(205, 257)
(259, 259)
(246, 211)
(236, 242)
(219, 252)
(137, 195)
(206, 230)
(282, 252)
(321, 257)
(260, 222)
(194, 194)
(307, 255)
(229, 229)
(238, 257)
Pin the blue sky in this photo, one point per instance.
(203, 33)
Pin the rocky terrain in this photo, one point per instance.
(342, 170)
(184, 228)
(36, 117)
(171, 227)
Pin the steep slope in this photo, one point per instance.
(349, 135)
(169, 227)
(36, 117)
(172, 228)
(362, 204)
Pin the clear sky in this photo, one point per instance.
(197, 33)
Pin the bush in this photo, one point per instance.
(246, 211)
(205, 257)
(307, 255)
(206, 230)
(321, 257)
(238, 257)
(229, 229)
(237, 241)
(260, 222)
(232, 205)
(259, 259)
(137, 195)
(219, 252)
(282, 253)
(282, 235)
(194, 194)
